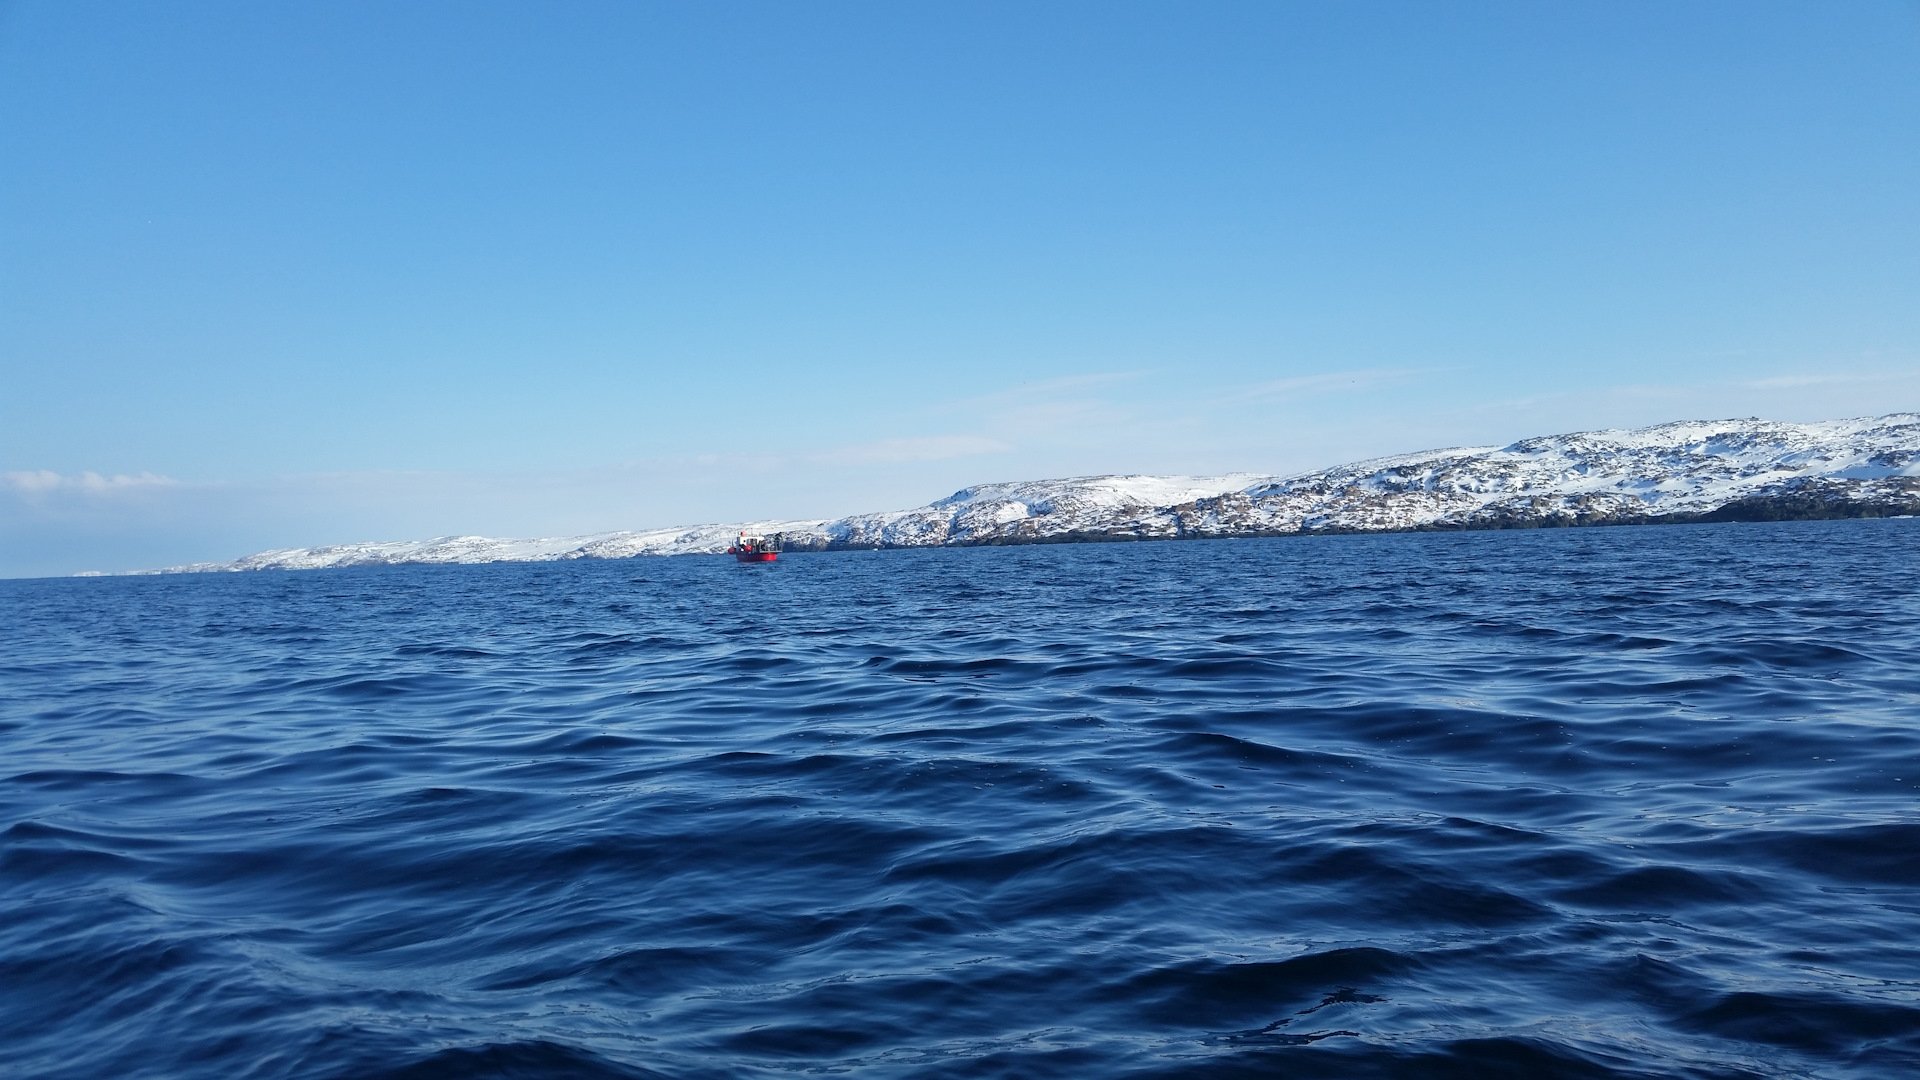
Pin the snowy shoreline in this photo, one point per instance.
(1678, 472)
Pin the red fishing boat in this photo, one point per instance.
(755, 548)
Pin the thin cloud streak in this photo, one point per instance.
(46, 482)
(1025, 393)
(1795, 382)
(919, 448)
(1331, 382)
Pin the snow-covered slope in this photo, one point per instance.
(691, 540)
(1684, 468)
(1679, 470)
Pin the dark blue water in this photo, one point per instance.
(1592, 803)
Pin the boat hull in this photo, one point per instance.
(756, 556)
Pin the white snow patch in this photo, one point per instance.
(1686, 466)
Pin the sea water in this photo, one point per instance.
(1631, 802)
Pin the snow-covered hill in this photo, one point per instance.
(1678, 471)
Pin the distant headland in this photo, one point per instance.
(1687, 471)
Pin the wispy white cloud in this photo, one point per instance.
(1795, 382)
(47, 482)
(1023, 394)
(1060, 419)
(1330, 382)
(1048, 411)
(916, 448)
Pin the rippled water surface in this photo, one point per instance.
(1633, 802)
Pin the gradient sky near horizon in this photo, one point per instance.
(303, 273)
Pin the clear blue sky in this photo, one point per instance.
(300, 273)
